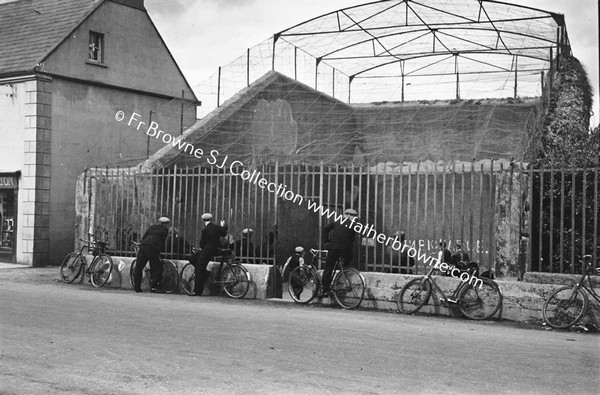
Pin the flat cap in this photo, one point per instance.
(164, 220)
(350, 211)
(207, 217)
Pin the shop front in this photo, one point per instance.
(8, 215)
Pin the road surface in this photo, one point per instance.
(72, 339)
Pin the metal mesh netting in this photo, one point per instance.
(278, 118)
(402, 50)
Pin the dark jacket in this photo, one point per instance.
(244, 247)
(155, 237)
(342, 237)
(459, 256)
(211, 236)
(446, 255)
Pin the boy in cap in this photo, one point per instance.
(293, 262)
(341, 244)
(210, 243)
(152, 244)
(244, 248)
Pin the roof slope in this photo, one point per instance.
(278, 118)
(30, 29)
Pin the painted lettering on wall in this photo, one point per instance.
(8, 182)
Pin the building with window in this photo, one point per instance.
(66, 68)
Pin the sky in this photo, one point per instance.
(205, 34)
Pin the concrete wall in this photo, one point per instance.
(447, 130)
(261, 285)
(25, 126)
(85, 134)
(522, 301)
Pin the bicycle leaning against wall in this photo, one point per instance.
(170, 277)
(232, 277)
(474, 302)
(98, 271)
(347, 286)
(567, 305)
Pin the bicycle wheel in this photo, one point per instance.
(170, 277)
(145, 284)
(303, 284)
(565, 307)
(100, 270)
(71, 267)
(479, 303)
(235, 280)
(188, 278)
(414, 295)
(348, 288)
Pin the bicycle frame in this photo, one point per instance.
(317, 256)
(581, 283)
(451, 299)
(223, 262)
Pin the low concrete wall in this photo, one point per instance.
(522, 301)
(558, 278)
(260, 286)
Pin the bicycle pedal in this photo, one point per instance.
(452, 300)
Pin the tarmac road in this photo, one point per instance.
(72, 339)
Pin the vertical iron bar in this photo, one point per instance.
(321, 176)
(392, 207)
(444, 233)
(360, 210)
(181, 115)
(516, 73)
(247, 70)
(596, 204)
(462, 206)
(583, 209)
(219, 88)
(573, 189)
(551, 241)
(471, 198)
(408, 208)
(491, 238)
(481, 197)
(370, 265)
(530, 228)
(452, 202)
(540, 224)
(197, 229)
(426, 203)
(417, 193)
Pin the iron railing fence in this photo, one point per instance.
(503, 214)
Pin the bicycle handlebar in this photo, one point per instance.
(93, 243)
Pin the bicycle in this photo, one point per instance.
(234, 278)
(474, 303)
(170, 277)
(99, 271)
(347, 286)
(567, 305)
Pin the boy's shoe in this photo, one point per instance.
(138, 290)
(157, 290)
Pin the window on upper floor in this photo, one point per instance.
(96, 48)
